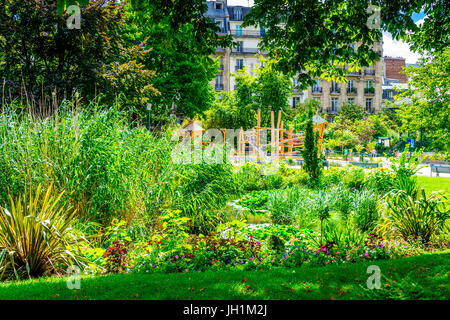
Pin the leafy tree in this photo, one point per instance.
(272, 90)
(350, 112)
(267, 90)
(314, 38)
(39, 55)
(182, 62)
(227, 113)
(313, 162)
(429, 93)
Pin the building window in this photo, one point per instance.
(334, 87)
(221, 23)
(240, 47)
(238, 31)
(351, 84)
(221, 64)
(237, 14)
(334, 104)
(316, 86)
(219, 82)
(219, 5)
(239, 64)
(369, 105)
(369, 84)
(295, 102)
(351, 100)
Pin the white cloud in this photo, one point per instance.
(395, 48)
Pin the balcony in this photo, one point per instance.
(369, 72)
(317, 90)
(335, 90)
(369, 91)
(352, 90)
(355, 73)
(220, 49)
(247, 33)
(245, 50)
(219, 86)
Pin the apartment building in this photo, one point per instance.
(363, 88)
(394, 79)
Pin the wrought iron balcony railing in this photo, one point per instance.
(369, 90)
(335, 90)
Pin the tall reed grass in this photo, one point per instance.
(107, 167)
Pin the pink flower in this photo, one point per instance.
(176, 257)
(366, 254)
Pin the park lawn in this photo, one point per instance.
(418, 277)
(435, 184)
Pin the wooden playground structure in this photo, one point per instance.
(284, 143)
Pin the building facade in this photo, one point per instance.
(364, 87)
(394, 79)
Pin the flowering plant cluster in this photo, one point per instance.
(116, 257)
(234, 247)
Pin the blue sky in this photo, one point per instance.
(390, 47)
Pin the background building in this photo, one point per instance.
(363, 88)
(394, 79)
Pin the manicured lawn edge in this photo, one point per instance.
(418, 277)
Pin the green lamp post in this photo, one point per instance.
(149, 108)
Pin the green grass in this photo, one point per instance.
(435, 184)
(419, 277)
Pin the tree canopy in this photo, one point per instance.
(428, 99)
(315, 38)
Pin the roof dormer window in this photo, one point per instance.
(219, 5)
(237, 14)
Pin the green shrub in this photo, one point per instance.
(255, 200)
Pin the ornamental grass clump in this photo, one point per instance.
(414, 216)
(36, 237)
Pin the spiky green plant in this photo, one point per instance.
(414, 216)
(35, 236)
